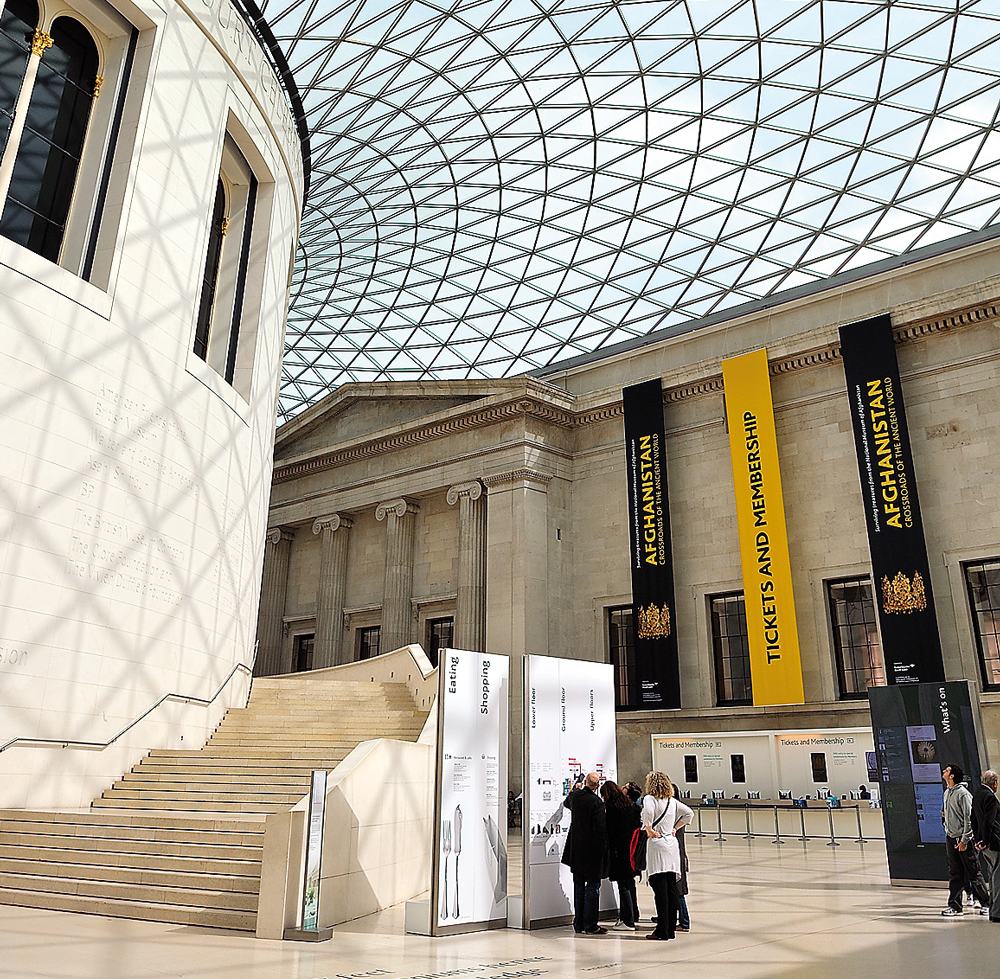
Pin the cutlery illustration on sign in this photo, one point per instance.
(446, 850)
(458, 850)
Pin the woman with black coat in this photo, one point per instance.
(623, 820)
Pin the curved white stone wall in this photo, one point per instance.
(135, 480)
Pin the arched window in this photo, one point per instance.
(17, 25)
(55, 125)
(210, 278)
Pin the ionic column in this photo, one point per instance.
(270, 625)
(398, 590)
(470, 607)
(334, 531)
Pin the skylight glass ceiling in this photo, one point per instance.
(498, 184)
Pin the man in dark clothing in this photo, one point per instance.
(986, 831)
(586, 853)
(963, 862)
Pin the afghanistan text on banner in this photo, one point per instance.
(653, 610)
(901, 578)
(775, 665)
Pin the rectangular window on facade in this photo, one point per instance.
(982, 582)
(855, 636)
(621, 643)
(303, 652)
(440, 633)
(368, 641)
(732, 650)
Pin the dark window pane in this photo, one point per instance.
(855, 637)
(621, 652)
(439, 636)
(49, 155)
(982, 581)
(17, 23)
(210, 276)
(732, 650)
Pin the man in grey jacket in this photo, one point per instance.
(963, 863)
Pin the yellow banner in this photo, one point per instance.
(775, 665)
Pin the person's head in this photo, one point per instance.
(613, 796)
(592, 781)
(990, 779)
(952, 775)
(633, 791)
(658, 785)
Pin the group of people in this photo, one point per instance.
(604, 818)
(972, 829)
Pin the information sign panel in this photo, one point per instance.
(470, 854)
(569, 725)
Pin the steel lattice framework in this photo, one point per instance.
(499, 184)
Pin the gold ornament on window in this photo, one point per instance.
(98, 82)
(654, 623)
(224, 227)
(902, 595)
(40, 42)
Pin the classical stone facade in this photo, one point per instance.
(504, 501)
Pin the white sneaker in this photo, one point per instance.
(621, 926)
(952, 913)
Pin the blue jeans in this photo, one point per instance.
(628, 905)
(586, 902)
(683, 917)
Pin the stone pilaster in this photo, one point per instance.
(470, 606)
(270, 624)
(334, 532)
(400, 519)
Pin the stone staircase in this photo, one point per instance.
(179, 838)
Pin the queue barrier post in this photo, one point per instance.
(700, 831)
(718, 812)
(833, 841)
(861, 836)
(749, 833)
(802, 820)
(777, 830)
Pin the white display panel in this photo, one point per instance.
(471, 822)
(569, 725)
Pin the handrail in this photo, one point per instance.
(99, 746)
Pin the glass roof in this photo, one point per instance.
(500, 184)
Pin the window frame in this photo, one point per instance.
(718, 660)
(360, 634)
(836, 626)
(429, 626)
(621, 655)
(92, 224)
(993, 611)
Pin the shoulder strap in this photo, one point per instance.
(662, 814)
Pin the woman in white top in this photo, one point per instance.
(661, 815)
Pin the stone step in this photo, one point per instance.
(165, 805)
(142, 876)
(191, 897)
(247, 784)
(234, 795)
(207, 773)
(129, 825)
(133, 907)
(187, 858)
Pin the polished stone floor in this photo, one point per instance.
(758, 910)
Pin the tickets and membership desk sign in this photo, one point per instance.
(775, 666)
(470, 855)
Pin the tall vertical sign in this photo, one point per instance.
(900, 572)
(653, 610)
(775, 665)
(569, 728)
(469, 891)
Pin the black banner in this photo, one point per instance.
(653, 609)
(901, 580)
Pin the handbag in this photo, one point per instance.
(637, 848)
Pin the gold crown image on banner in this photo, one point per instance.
(654, 623)
(902, 595)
